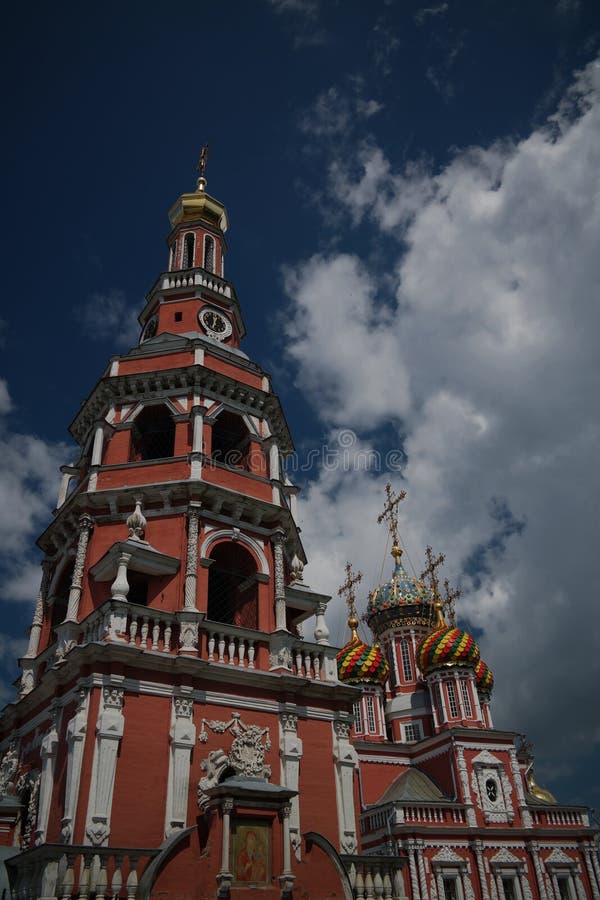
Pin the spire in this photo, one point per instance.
(347, 590)
(201, 167)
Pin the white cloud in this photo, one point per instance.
(109, 317)
(430, 12)
(29, 478)
(335, 112)
(5, 401)
(487, 362)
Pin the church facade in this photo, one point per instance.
(184, 728)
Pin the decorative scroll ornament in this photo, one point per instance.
(282, 658)
(136, 522)
(246, 755)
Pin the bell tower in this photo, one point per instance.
(179, 696)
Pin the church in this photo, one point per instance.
(184, 727)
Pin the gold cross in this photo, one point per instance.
(202, 162)
(347, 590)
(430, 572)
(390, 511)
(452, 594)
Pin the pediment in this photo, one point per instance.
(485, 758)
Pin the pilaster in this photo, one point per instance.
(346, 761)
(109, 731)
(76, 732)
(182, 738)
(290, 754)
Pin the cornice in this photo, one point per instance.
(171, 382)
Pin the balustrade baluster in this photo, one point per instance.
(221, 648)
(316, 665)
(231, 650)
(155, 634)
(167, 639)
(132, 878)
(211, 647)
(133, 629)
(101, 878)
(251, 652)
(116, 882)
(68, 881)
(369, 895)
(387, 885)
(84, 878)
(359, 887)
(378, 883)
(144, 633)
(298, 661)
(241, 651)
(307, 664)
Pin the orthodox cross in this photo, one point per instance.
(390, 511)
(452, 594)
(202, 162)
(430, 572)
(347, 591)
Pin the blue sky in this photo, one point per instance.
(413, 196)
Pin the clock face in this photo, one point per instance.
(215, 324)
(491, 789)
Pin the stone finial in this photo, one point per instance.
(136, 522)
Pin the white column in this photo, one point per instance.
(197, 442)
(28, 668)
(48, 757)
(274, 472)
(279, 576)
(120, 586)
(478, 847)
(595, 884)
(183, 738)
(290, 754)
(539, 873)
(86, 523)
(96, 456)
(464, 781)
(67, 473)
(346, 761)
(76, 731)
(421, 867)
(225, 877)
(518, 782)
(321, 629)
(287, 878)
(109, 731)
(412, 868)
(191, 570)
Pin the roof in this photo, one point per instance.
(412, 786)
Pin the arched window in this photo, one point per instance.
(407, 669)
(466, 699)
(172, 252)
(230, 441)
(371, 714)
(232, 586)
(209, 253)
(452, 699)
(188, 251)
(153, 434)
(358, 726)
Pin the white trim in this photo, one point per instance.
(236, 535)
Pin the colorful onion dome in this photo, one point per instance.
(446, 646)
(484, 680)
(400, 598)
(360, 664)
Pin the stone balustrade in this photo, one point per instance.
(60, 872)
(155, 630)
(413, 814)
(374, 877)
(561, 818)
(196, 277)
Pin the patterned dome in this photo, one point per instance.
(484, 679)
(360, 664)
(447, 646)
(401, 598)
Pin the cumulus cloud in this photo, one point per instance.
(29, 478)
(486, 364)
(335, 112)
(109, 317)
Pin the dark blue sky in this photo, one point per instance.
(108, 105)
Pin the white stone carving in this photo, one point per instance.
(290, 754)
(86, 523)
(277, 540)
(48, 755)
(136, 522)
(504, 856)
(321, 629)
(76, 731)
(246, 755)
(447, 855)
(559, 857)
(109, 731)
(182, 739)
(191, 569)
(27, 788)
(346, 760)
(188, 633)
